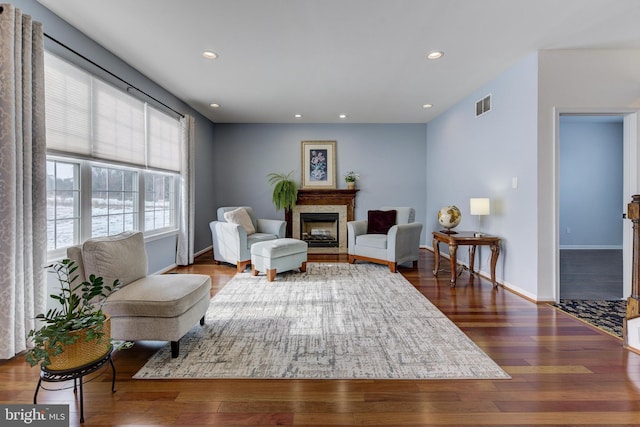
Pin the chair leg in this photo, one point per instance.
(303, 267)
(175, 349)
(242, 265)
(393, 266)
(352, 259)
(271, 274)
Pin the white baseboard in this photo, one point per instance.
(208, 248)
(174, 265)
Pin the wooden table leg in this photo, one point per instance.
(495, 251)
(472, 258)
(436, 257)
(453, 251)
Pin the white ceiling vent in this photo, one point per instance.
(483, 105)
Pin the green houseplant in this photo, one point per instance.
(78, 319)
(351, 176)
(285, 190)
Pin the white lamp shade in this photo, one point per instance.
(480, 206)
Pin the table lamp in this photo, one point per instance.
(479, 206)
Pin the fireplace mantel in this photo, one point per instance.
(317, 197)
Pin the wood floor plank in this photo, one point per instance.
(319, 419)
(245, 419)
(500, 419)
(542, 369)
(564, 372)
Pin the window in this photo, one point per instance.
(110, 207)
(114, 201)
(159, 209)
(113, 161)
(63, 204)
(161, 202)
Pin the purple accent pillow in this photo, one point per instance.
(379, 222)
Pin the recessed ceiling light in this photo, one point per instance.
(298, 116)
(209, 55)
(214, 105)
(436, 54)
(427, 106)
(343, 116)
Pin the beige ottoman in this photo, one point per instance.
(277, 256)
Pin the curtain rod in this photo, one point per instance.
(130, 86)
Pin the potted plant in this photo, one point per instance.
(78, 331)
(285, 190)
(350, 178)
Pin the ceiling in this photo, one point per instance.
(322, 58)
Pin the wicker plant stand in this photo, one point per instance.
(76, 374)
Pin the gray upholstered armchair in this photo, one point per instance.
(232, 239)
(369, 240)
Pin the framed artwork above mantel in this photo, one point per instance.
(319, 164)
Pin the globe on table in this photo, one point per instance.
(449, 217)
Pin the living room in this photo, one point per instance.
(517, 140)
(508, 155)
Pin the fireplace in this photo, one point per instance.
(330, 210)
(320, 229)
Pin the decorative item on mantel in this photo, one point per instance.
(350, 178)
(449, 217)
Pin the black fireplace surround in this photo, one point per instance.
(320, 230)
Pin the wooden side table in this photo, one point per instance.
(464, 238)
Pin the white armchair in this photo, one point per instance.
(158, 307)
(400, 244)
(232, 242)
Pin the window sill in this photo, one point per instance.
(60, 254)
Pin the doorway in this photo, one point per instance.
(591, 184)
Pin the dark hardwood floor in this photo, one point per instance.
(564, 372)
(591, 274)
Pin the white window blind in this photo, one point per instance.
(68, 107)
(164, 138)
(91, 118)
(118, 125)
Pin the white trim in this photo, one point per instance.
(164, 270)
(208, 248)
(631, 164)
(159, 236)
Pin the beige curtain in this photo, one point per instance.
(184, 253)
(23, 225)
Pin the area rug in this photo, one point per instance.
(605, 315)
(335, 321)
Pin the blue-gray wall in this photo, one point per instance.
(591, 203)
(390, 159)
(470, 156)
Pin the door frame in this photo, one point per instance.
(630, 184)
